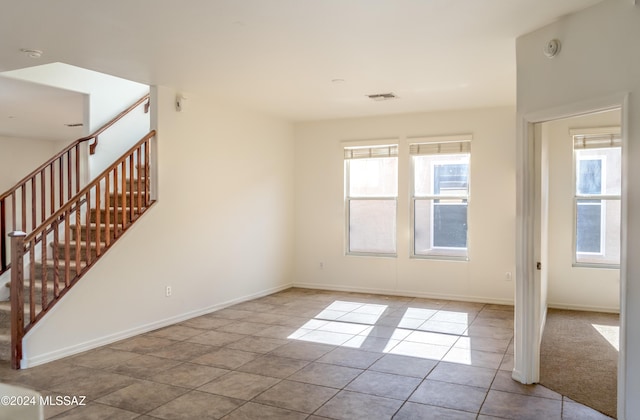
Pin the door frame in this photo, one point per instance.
(529, 319)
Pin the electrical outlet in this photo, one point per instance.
(321, 265)
(168, 291)
(507, 276)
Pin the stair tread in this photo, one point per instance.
(112, 208)
(128, 192)
(38, 284)
(94, 227)
(6, 307)
(73, 226)
(114, 211)
(83, 243)
(51, 262)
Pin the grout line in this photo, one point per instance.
(190, 388)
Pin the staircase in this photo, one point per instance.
(83, 242)
(60, 249)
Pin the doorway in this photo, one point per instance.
(579, 204)
(531, 288)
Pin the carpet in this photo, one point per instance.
(578, 361)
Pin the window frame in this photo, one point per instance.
(583, 135)
(443, 254)
(435, 197)
(596, 197)
(348, 199)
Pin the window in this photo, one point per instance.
(371, 190)
(440, 198)
(597, 161)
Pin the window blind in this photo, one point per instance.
(370, 152)
(434, 148)
(596, 141)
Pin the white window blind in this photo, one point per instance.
(370, 152)
(435, 148)
(596, 141)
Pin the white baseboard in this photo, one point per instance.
(588, 308)
(408, 293)
(36, 360)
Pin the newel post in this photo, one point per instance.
(17, 298)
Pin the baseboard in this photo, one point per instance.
(588, 308)
(408, 293)
(28, 362)
(543, 322)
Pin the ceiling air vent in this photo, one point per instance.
(74, 125)
(382, 96)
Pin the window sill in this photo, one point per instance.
(603, 266)
(370, 254)
(441, 257)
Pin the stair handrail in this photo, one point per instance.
(78, 196)
(71, 178)
(22, 242)
(92, 147)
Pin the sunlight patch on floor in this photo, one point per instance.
(611, 333)
(417, 332)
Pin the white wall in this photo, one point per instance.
(119, 138)
(220, 232)
(20, 156)
(572, 287)
(599, 60)
(320, 223)
(108, 96)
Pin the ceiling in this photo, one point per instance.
(297, 59)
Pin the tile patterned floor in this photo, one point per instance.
(308, 354)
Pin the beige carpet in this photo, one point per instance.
(578, 361)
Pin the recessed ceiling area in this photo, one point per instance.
(284, 56)
(29, 110)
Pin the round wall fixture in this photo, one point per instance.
(552, 48)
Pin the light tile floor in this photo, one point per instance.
(308, 354)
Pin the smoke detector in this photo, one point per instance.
(551, 48)
(382, 96)
(31, 53)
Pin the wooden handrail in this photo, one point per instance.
(92, 147)
(91, 222)
(62, 173)
(84, 191)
